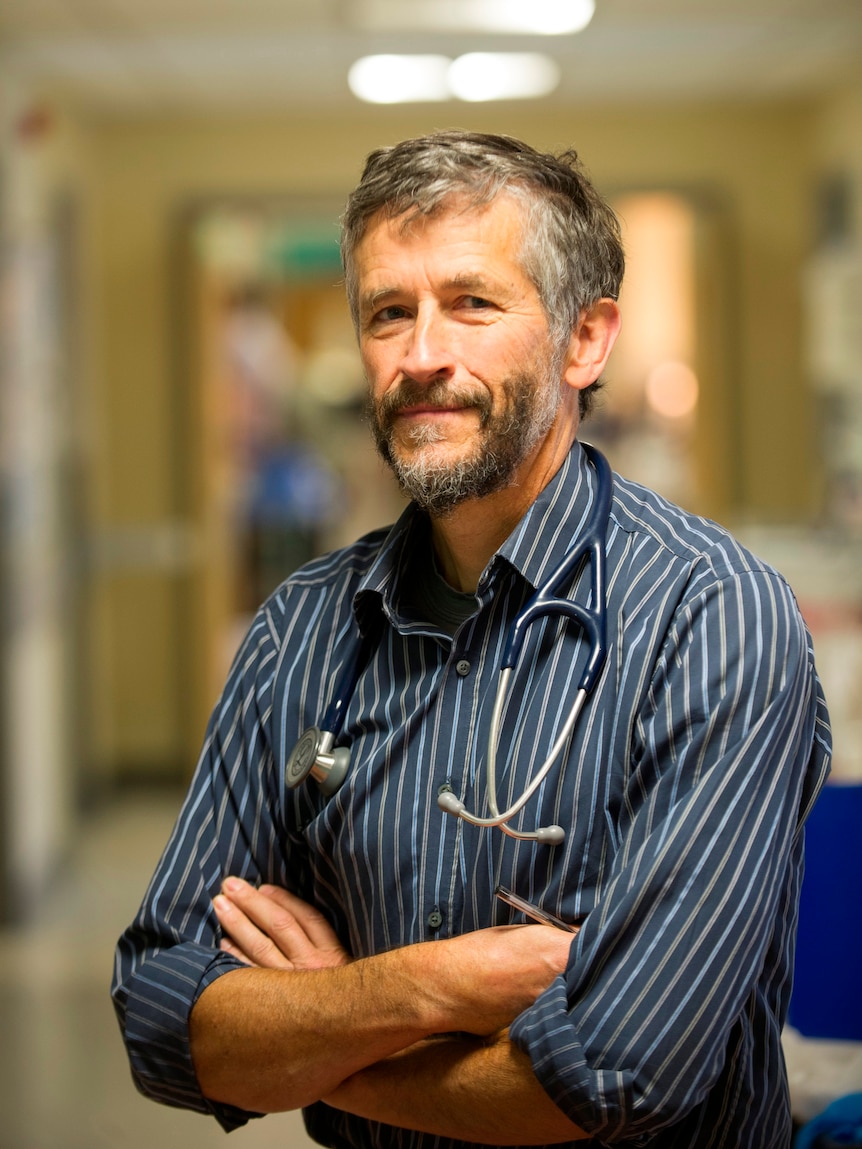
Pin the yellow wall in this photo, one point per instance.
(755, 163)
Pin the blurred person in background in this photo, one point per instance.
(342, 950)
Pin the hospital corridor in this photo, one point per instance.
(184, 417)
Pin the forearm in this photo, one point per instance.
(466, 1089)
(270, 1039)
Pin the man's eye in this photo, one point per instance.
(391, 313)
(476, 302)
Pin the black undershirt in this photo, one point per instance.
(433, 600)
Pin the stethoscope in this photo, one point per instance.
(316, 755)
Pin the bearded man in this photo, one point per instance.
(341, 948)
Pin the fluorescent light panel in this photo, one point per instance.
(531, 17)
(476, 76)
(400, 79)
(503, 76)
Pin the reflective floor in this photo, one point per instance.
(64, 1081)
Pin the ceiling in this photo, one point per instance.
(126, 57)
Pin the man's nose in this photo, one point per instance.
(428, 353)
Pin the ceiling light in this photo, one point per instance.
(475, 77)
(400, 79)
(503, 75)
(542, 17)
(538, 17)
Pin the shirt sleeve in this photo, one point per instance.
(728, 750)
(170, 953)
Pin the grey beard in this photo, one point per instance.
(504, 442)
(440, 488)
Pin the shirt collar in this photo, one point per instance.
(534, 548)
(544, 535)
(376, 591)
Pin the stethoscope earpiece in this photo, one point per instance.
(550, 835)
(449, 804)
(545, 835)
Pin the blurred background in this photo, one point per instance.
(180, 397)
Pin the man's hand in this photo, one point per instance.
(274, 929)
(484, 979)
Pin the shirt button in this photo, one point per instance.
(462, 667)
(435, 919)
(445, 788)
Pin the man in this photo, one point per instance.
(344, 952)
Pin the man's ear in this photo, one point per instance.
(591, 343)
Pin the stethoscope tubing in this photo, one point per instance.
(544, 602)
(593, 621)
(316, 755)
(501, 819)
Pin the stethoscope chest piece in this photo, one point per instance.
(313, 755)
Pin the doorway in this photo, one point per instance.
(281, 466)
(665, 419)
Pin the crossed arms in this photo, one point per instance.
(414, 1037)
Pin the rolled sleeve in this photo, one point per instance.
(153, 1005)
(689, 947)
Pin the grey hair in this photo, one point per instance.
(572, 248)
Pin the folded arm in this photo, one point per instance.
(462, 1088)
(307, 1022)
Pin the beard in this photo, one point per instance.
(530, 401)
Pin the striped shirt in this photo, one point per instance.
(682, 792)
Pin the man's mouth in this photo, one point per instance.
(414, 406)
(422, 409)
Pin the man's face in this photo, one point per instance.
(463, 379)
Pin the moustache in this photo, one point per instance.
(440, 395)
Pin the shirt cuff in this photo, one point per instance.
(161, 994)
(600, 1101)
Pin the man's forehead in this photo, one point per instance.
(408, 219)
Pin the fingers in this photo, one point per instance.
(272, 928)
(244, 939)
(227, 946)
(318, 930)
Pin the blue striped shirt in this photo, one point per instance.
(683, 792)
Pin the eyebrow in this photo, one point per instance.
(470, 280)
(372, 299)
(466, 280)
